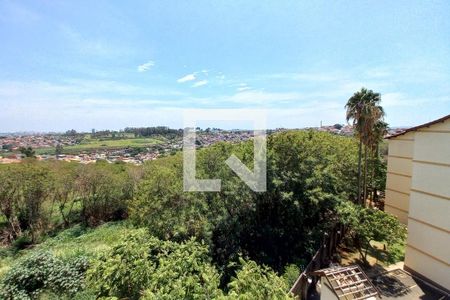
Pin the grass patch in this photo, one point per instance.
(73, 241)
(86, 240)
(393, 253)
(377, 254)
(89, 144)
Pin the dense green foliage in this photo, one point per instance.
(27, 151)
(143, 266)
(37, 198)
(366, 225)
(164, 269)
(43, 271)
(309, 173)
(161, 205)
(151, 131)
(255, 282)
(136, 265)
(233, 244)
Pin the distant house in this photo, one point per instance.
(418, 193)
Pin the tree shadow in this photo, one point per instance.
(390, 284)
(387, 257)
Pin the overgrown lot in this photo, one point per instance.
(235, 242)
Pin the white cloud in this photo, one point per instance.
(105, 102)
(243, 88)
(394, 99)
(85, 92)
(80, 87)
(262, 97)
(200, 83)
(145, 67)
(188, 77)
(294, 99)
(401, 99)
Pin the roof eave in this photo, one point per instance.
(440, 120)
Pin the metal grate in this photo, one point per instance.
(349, 283)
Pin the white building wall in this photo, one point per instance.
(428, 244)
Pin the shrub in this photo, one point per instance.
(42, 271)
(161, 205)
(68, 277)
(291, 273)
(125, 270)
(185, 273)
(144, 267)
(367, 224)
(253, 281)
(21, 243)
(142, 264)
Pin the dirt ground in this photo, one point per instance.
(350, 256)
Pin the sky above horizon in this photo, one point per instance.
(113, 64)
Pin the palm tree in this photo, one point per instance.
(374, 115)
(380, 129)
(364, 109)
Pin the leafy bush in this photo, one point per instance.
(68, 277)
(126, 269)
(43, 271)
(21, 243)
(104, 190)
(165, 270)
(144, 267)
(257, 282)
(38, 198)
(161, 205)
(184, 273)
(291, 273)
(367, 224)
(5, 252)
(82, 295)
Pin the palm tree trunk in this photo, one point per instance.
(358, 196)
(377, 157)
(372, 180)
(365, 178)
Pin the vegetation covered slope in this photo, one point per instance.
(238, 240)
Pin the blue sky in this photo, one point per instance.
(112, 64)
